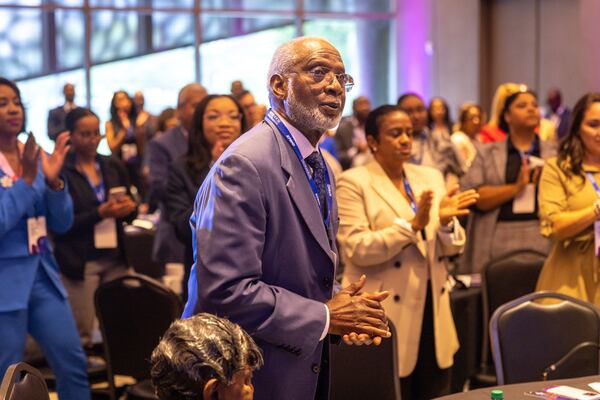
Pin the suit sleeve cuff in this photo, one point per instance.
(451, 235)
(324, 334)
(406, 226)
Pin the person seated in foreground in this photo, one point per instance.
(205, 357)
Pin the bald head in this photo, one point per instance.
(190, 90)
(290, 53)
(307, 85)
(554, 99)
(361, 106)
(69, 92)
(189, 97)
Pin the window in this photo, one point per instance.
(148, 45)
(244, 58)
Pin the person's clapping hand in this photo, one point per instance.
(29, 160)
(52, 164)
(116, 208)
(421, 218)
(141, 119)
(124, 118)
(456, 204)
(358, 317)
(356, 339)
(526, 176)
(217, 149)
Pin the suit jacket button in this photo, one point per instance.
(327, 282)
(316, 369)
(397, 264)
(396, 298)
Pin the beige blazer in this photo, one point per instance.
(376, 239)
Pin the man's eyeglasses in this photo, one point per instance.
(320, 73)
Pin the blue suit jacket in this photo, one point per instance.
(17, 267)
(264, 258)
(162, 152)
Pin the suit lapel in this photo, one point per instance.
(302, 195)
(383, 186)
(500, 156)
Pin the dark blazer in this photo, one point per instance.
(162, 151)
(179, 204)
(265, 259)
(74, 248)
(344, 141)
(56, 121)
(563, 127)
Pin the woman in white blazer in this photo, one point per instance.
(397, 225)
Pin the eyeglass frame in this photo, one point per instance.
(340, 77)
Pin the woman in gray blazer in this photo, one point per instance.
(506, 174)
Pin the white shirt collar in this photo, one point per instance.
(305, 147)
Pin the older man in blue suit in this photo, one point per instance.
(264, 225)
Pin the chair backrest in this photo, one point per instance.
(503, 280)
(527, 336)
(134, 311)
(138, 251)
(23, 382)
(365, 372)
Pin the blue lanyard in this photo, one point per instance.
(409, 193)
(593, 182)
(274, 118)
(99, 189)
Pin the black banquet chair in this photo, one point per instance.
(23, 382)
(134, 311)
(529, 336)
(504, 279)
(365, 372)
(138, 251)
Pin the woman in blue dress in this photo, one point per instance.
(34, 201)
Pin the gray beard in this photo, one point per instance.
(310, 118)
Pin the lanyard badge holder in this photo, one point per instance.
(597, 222)
(37, 240)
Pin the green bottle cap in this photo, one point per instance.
(497, 394)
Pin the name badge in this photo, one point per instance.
(597, 238)
(524, 203)
(105, 234)
(37, 240)
(128, 151)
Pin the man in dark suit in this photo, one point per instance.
(350, 138)
(558, 113)
(264, 227)
(162, 150)
(56, 116)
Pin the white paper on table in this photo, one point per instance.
(524, 203)
(597, 238)
(105, 234)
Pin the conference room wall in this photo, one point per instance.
(545, 43)
(463, 49)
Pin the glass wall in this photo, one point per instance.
(157, 46)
